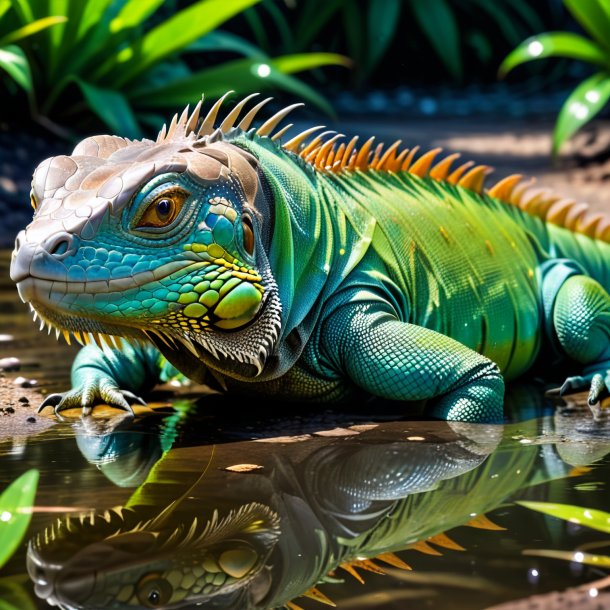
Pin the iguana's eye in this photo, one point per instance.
(248, 231)
(162, 211)
(153, 590)
(33, 200)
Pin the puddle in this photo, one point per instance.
(188, 507)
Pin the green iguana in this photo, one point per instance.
(310, 269)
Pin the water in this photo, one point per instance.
(253, 512)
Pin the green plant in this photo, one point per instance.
(592, 94)
(366, 29)
(127, 61)
(12, 58)
(589, 517)
(15, 517)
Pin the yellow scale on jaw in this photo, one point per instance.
(204, 295)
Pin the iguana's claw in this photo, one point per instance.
(597, 384)
(86, 398)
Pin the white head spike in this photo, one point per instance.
(269, 125)
(191, 125)
(207, 127)
(232, 116)
(245, 122)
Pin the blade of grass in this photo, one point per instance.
(15, 63)
(593, 18)
(554, 44)
(601, 561)
(595, 519)
(226, 41)
(383, 16)
(174, 34)
(580, 107)
(29, 29)
(134, 13)
(111, 107)
(437, 21)
(14, 521)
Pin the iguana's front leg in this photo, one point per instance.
(402, 361)
(110, 376)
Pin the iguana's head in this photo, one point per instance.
(163, 240)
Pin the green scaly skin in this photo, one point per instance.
(267, 275)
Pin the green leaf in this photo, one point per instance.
(14, 516)
(594, 18)
(306, 61)
(29, 29)
(437, 21)
(314, 15)
(226, 41)
(601, 561)
(111, 107)
(175, 34)
(581, 106)
(23, 10)
(381, 24)
(14, 61)
(134, 13)
(555, 44)
(595, 519)
(241, 75)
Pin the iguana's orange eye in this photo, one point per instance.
(248, 231)
(163, 209)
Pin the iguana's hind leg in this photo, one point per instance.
(581, 319)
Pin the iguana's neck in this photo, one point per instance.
(313, 244)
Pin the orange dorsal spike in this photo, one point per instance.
(368, 565)
(347, 155)
(388, 155)
(396, 164)
(588, 225)
(362, 157)
(292, 606)
(422, 165)
(318, 596)
(603, 229)
(444, 541)
(504, 188)
(559, 210)
(579, 471)
(409, 159)
(376, 155)
(455, 176)
(350, 570)
(336, 154)
(441, 169)
(484, 523)
(423, 547)
(520, 190)
(393, 560)
(474, 179)
(574, 215)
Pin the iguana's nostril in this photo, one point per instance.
(58, 244)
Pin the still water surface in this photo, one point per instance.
(192, 506)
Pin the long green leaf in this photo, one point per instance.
(593, 18)
(14, 61)
(23, 10)
(381, 25)
(226, 41)
(175, 34)
(555, 44)
(134, 13)
(29, 29)
(14, 516)
(241, 75)
(595, 519)
(111, 107)
(307, 61)
(581, 106)
(314, 15)
(601, 561)
(437, 20)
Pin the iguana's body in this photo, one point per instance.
(363, 271)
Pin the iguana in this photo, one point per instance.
(309, 269)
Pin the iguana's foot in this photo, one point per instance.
(598, 385)
(90, 394)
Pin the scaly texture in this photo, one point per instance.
(311, 270)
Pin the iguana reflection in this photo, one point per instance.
(253, 540)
